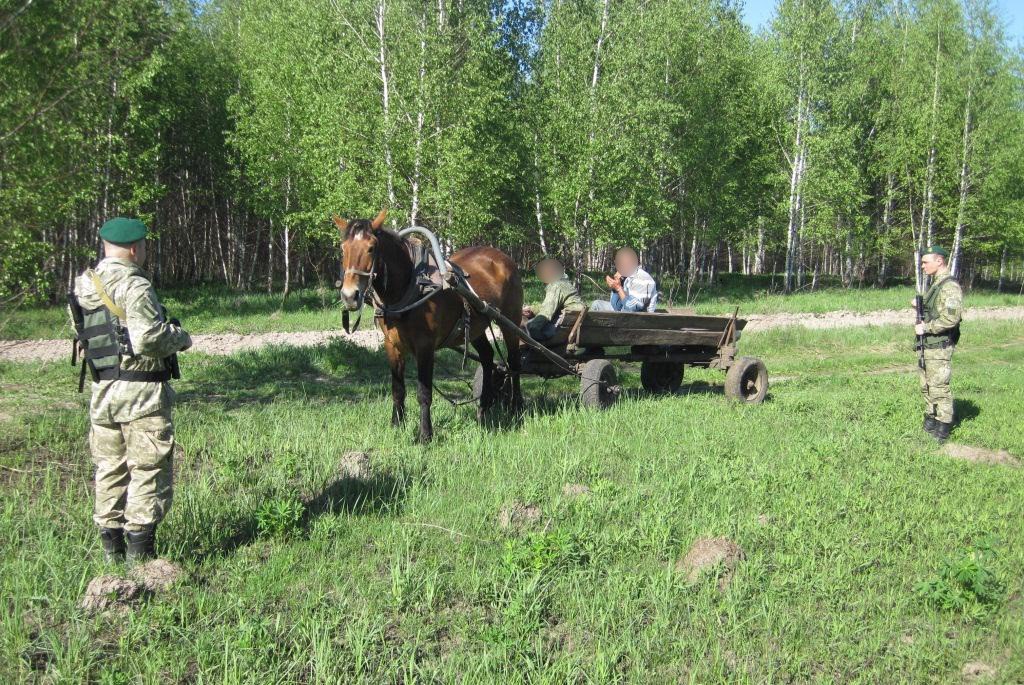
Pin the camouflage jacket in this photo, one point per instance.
(152, 339)
(944, 303)
(559, 296)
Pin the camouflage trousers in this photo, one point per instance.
(938, 398)
(133, 471)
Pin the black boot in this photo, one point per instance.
(141, 544)
(112, 540)
(929, 424)
(941, 432)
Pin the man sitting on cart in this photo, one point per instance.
(633, 289)
(560, 296)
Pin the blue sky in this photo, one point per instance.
(758, 12)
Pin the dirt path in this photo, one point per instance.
(228, 343)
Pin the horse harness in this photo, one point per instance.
(420, 290)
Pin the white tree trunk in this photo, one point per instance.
(929, 194)
(965, 184)
(385, 94)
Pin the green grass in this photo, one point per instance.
(857, 531)
(214, 309)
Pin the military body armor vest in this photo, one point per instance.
(938, 340)
(104, 341)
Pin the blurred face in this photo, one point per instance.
(549, 272)
(930, 263)
(626, 263)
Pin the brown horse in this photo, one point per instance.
(377, 264)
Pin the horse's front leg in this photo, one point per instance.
(425, 391)
(486, 354)
(396, 360)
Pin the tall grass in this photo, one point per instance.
(850, 518)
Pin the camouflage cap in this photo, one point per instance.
(939, 250)
(123, 231)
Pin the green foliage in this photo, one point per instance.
(22, 275)
(279, 518)
(968, 584)
(832, 142)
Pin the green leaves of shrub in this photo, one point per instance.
(966, 584)
(279, 518)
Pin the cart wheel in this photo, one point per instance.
(598, 384)
(503, 390)
(747, 380)
(661, 378)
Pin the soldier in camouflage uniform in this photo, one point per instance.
(560, 296)
(132, 433)
(938, 335)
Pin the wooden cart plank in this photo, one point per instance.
(651, 321)
(595, 337)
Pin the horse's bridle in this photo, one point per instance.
(370, 275)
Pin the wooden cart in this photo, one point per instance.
(586, 343)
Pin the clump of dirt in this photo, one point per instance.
(517, 516)
(112, 593)
(559, 638)
(977, 672)
(764, 520)
(720, 555)
(575, 490)
(355, 465)
(157, 575)
(980, 455)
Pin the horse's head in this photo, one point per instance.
(359, 238)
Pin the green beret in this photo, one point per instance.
(122, 231)
(939, 250)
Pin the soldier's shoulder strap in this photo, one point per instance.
(108, 302)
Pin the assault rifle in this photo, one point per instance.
(919, 304)
(172, 361)
(78, 342)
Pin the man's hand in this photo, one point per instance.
(919, 329)
(528, 313)
(612, 281)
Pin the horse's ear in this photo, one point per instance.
(379, 221)
(341, 224)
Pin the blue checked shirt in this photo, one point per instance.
(641, 294)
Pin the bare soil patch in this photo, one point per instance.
(355, 465)
(112, 593)
(980, 455)
(575, 490)
(711, 556)
(884, 317)
(977, 672)
(157, 575)
(518, 515)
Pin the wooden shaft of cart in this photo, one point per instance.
(492, 313)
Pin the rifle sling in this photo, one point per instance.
(107, 302)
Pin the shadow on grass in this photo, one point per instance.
(338, 371)
(377, 494)
(964, 410)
